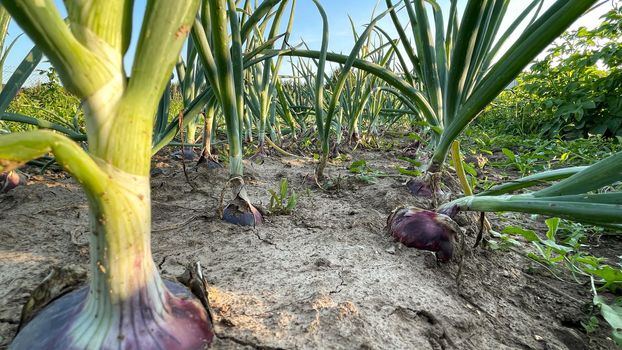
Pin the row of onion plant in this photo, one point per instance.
(456, 68)
(263, 79)
(324, 119)
(200, 84)
(221, 53)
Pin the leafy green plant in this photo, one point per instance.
(515, 160)
(283, 201)
(412, 170)
(575, 90)
(548, 251)
(364, 172)
(556, 253)
(578, 85)
(503, 240)
(611, 312)
(591, 325)
(532, 153)
(48, 102)
(358, 167)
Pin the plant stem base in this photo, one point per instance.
(183, 323)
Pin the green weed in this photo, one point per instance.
(283, 201)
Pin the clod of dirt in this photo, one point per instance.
(185, 154)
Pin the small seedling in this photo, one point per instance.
(364, 172)
(281, 202)
(358, 167)
(515, 160)
(412, 170)
(591, 325)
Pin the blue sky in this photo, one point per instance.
(307, 25)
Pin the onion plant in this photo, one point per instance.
(455, 69)
(457, 65)
(459, 77)
(361, 88)
(221, 54)
(584, 194)
(263, 81)
(198, 100)
(424, 229)
(324, 121)
(191, 82)
(298, 93)
(284, 107)
(126, 304)
(206, 97)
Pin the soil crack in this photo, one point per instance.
(162, 262)
(247, 343)
(181, 224)
(282, 306)
(437, 332)
(341, 284)
(265, 240)
(191, 254)
(470, 300)
(305, 224)
(9, 321)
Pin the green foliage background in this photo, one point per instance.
(47, 101)
(575, 91)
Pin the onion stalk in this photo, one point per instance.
(126, 304)
(573, 198)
